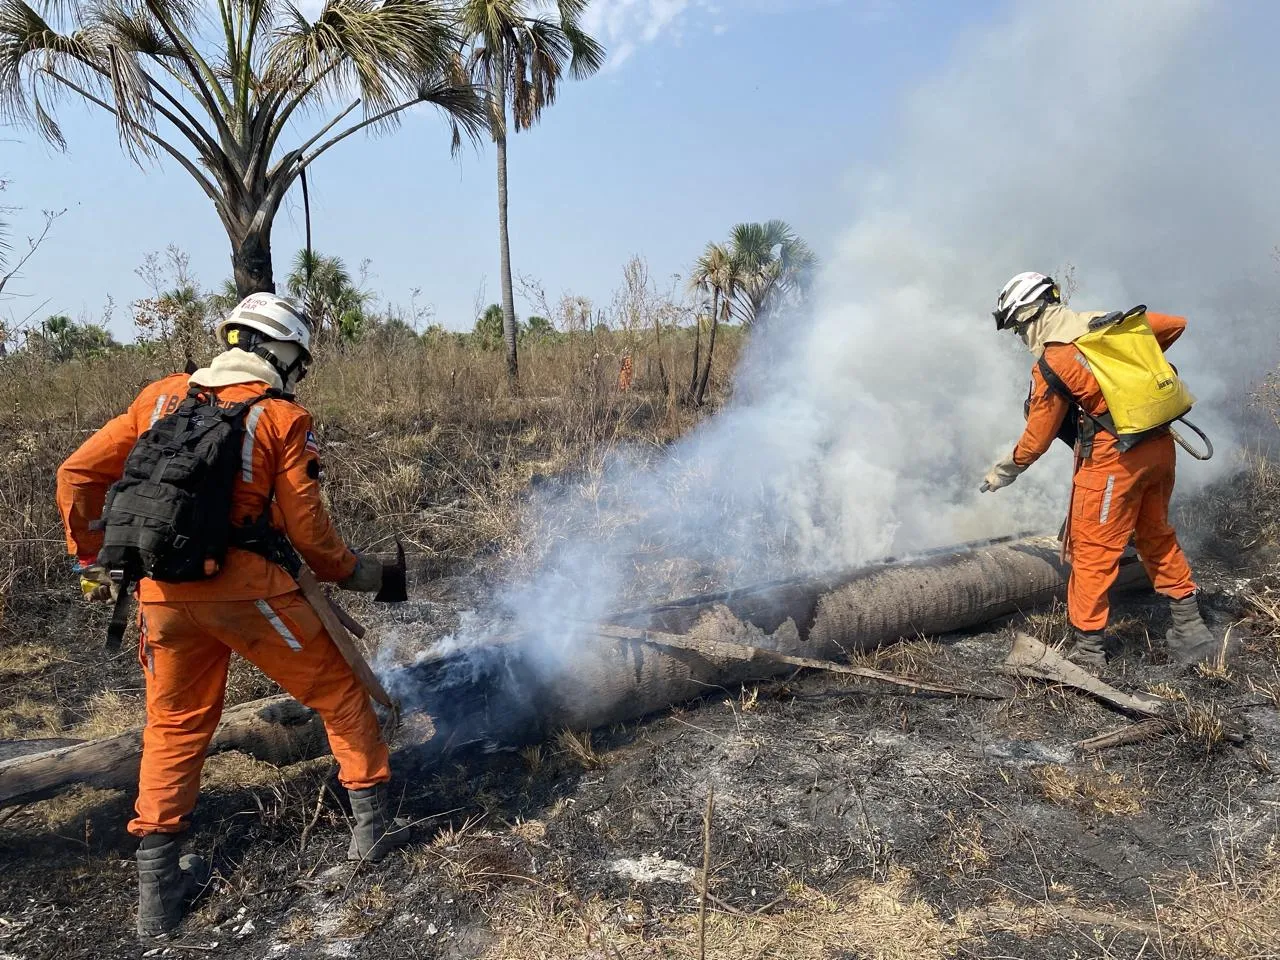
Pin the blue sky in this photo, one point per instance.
(708, 114)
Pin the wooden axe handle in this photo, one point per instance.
(333, 624)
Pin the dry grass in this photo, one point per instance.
(881, 921)
(1233, 913)
(1205, 725)
(1269, 687)
(29, 718)
(70, 813)
(921, 657)
(366, 910)
(1166, 691)
(964, 843)
(109, 713)
(534, 756)
(1090, 791)
(1051, 627)
(579, 748)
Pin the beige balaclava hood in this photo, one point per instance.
(237, 366)
(1058, 324)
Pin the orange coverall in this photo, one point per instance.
(1114, 496)
(252, 607)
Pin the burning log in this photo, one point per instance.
(508, 694)
(515, 692)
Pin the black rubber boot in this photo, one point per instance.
(375, 833)
(166, 882)
(1088, 650)
(1190, 641)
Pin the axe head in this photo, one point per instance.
(395, 581)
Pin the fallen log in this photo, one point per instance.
(519, 691)
(21, 748)
(740, 651)
(277, 730)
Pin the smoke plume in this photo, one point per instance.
(1125, 141)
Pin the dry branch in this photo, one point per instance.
(1031, 658)
(741, 651)
(1134, 733)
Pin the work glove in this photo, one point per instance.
(96, 584)
(366, 577)
(1001, 475)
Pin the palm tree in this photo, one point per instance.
(217, 86)
(764, 266)
(718, 275)
(489, 328)
(776, 266)
(4, 229)
(325, 287)
(225, 299)
(519, 57)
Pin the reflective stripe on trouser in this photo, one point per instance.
(1126, 497)
(185, 650)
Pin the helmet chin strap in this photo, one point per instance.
(288, 372)
(260, 346)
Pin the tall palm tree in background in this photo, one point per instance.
(4, 228)
(214, 85)
(519, 56)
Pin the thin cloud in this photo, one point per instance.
(625, 26)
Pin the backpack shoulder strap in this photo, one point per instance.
(1052, 380)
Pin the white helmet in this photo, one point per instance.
(275, 318)
(1021, 291)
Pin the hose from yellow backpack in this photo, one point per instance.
(1181, 441)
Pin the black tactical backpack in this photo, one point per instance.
(169, 515)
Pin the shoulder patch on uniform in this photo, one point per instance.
(312, 445)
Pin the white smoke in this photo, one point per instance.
(1108, 135)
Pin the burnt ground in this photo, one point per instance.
(848, 823)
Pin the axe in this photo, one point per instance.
(339, 625)
(395, 581)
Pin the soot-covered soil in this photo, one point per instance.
(847, 823)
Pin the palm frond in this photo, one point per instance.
(127, 27)
(382, 48)
(463, 104)
(526, 54)
(32, 54)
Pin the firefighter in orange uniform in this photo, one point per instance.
(1117, 494)
(252, 607)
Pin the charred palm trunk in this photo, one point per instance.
(505, 694)
(251, 261)
(521, 691)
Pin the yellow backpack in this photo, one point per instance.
(1142, 390)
